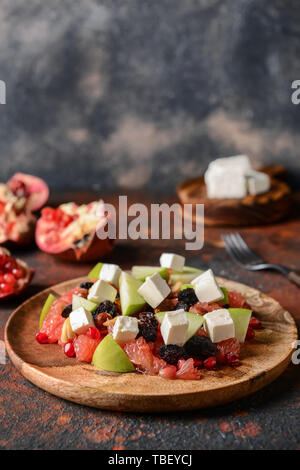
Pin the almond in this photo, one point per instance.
(67, 332)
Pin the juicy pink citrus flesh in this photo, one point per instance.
(204, 307)
(53, 323)
(187, 371)
(229, 346)
(85, 347)
(236, 300)
(139, 352)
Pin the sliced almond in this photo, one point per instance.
(67, 332)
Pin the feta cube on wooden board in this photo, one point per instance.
(110, 273)
(125, 329)
(81, 320)
(174, 327)
(238, 161)
(258, 182)
(226, 182)
(172, 261)
(154, 290)
(219, 325)
(101, 291)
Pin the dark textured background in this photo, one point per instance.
(120, 94)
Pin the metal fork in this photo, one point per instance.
(239, 251)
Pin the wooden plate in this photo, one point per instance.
(251, 210)
(47, 367)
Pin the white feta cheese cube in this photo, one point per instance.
(172, 261)
(125, 329)
(154, 290)
(237, 161)
(219, 325)
(174, 327)
(101, 291)
(208, 274)
(81, 320)
(225, 183)
(110, 273)
(258, 182)
(207, 288)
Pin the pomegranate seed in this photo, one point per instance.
(168, 372)
(9, 279)
(6, 288)
(18, 273)
(250, 334)
(69, 349)
(220, 357)
(198, 363)
(48, 213)
(210, 363)
(93, 333)
(232, 359)
(41, 338)
(255, 323)
(10, 265)
(3, 259)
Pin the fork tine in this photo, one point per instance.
(231, 249)
(239, 253)
(244, 254)
(253, 257)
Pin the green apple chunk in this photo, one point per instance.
(110, 356)
(46, 307)
(187, 286)
(78, 302)
(195, 322)
(225, 299)
(95, 271)
(131, 301)
(186, 276)
(241, 318)
(141, 272)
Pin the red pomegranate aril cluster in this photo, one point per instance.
(10, 272)
(41, 338)
(232, 360)
(250, 334)
(93, 333)
(57, 215)
(210, 363)
(255, 323)
(69, 349)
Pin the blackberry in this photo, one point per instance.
(66, 311)
(147, 332)
(200, 347)
(171, 353)
(188, 296)
(148, 326)
(86, 285)
(181, 305)
(148, 318)
(106, 306)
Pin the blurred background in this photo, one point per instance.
(121, 94)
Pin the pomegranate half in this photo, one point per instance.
(15, 275)
(19, 197)
(69, 231)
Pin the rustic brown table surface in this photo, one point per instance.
(269, 419)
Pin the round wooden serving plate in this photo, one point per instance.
(251, 210)
(48, 368)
